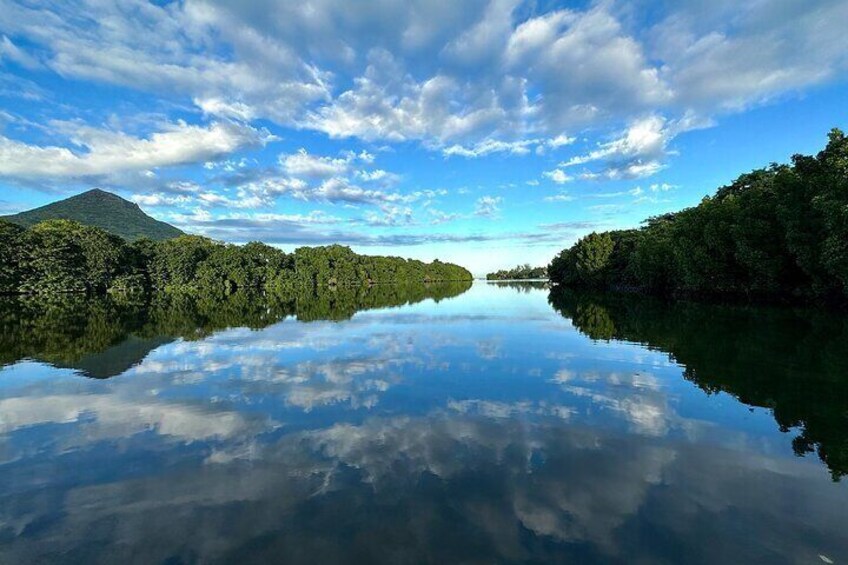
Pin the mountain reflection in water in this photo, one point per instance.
(506, 423)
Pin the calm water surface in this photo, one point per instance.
(500, 423)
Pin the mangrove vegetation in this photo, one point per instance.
(774, 233)
(521, 272)
(62, 256)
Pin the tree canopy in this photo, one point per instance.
(520, 272)
(781, 231)
(65, 256)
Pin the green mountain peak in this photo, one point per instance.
(102, 209)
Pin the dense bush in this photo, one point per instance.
(775, 232)
(65, 256)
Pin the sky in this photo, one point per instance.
(484, 132)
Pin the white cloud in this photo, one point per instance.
(219, 107)
(558, 176)
(104, 152)
(727, 56)
(586, 65)
(488, 206)
(645, 137)
(333, 190)
(304, 165)
(472, 79)
(490, 146)
(188, 50)
(440, 217)
(560, 141)
(159, 199)
(561, 197)
(391, 216)
(639, 151)
(662, 187)
(107, 416)
(12, 52)
(375, 175)
(468, 79)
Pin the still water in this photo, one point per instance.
(485, 424)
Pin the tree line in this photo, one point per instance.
(66, 256)
(776, 232)
(520, 272)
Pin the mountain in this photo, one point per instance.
(101, 209)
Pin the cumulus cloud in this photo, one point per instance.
(726, 56)
(460, 78)
(391, 216)
(639, 151)
(558, 176)
(477, 79)
(302, 164)
(189, 50)
(587, 65)
(104, 152)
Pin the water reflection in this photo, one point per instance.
(486, 428)
(104, 336)
(793, 362)
(520, 286)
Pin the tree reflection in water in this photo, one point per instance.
(791, 361)
(104, 336)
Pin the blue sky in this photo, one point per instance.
(485, 132)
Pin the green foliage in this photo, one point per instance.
(103, 210)
(592, 257)
(338, 265)
(521, 272)
(52, 258)
(10, 267)
(65, 256)
(177, 261)
(650, 264)
(106, 257)
(586, 263)
(773, 233)
(562, 269)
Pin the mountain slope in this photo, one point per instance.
(103, 210)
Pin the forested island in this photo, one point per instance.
(61, 256)
(775, 233)
(521, 272)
